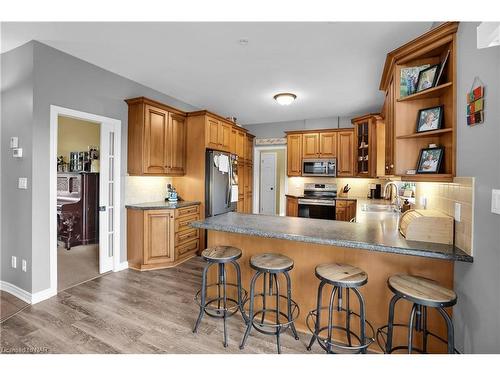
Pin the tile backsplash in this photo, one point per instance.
(359, 186)
(139, 189)
(443, 196)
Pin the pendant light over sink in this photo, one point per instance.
(285, 98)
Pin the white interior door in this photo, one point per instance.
(107, 200)
(268, 183)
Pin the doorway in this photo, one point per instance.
(270, 176)
(85, 197)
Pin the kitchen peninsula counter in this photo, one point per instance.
(373, 244)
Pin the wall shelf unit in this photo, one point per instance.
(400, 114)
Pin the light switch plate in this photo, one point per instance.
(24, 265)
(17, 152)
(14, 142)
(458, 209)
(13, 262)
(23, 183)
(495, 201)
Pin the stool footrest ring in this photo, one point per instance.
(218, 312)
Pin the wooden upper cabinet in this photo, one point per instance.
(328, 145)
(156, 138)
(218, 134)
(345, 158)
(240, 144)
(294, 154)
(310, 145)
(176, 145)
(233, 139)
(389, 129)
(249, 148)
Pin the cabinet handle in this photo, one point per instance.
(392, 166)
(185, 236)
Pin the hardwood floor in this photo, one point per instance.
(133, 312)
(9, 305)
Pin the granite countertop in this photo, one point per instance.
(374, 231)
(161, 205)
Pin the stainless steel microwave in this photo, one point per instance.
(319, 167)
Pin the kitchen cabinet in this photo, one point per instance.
(389, 130)
(156, 139)
(240, 143)
(294, 155)
(249, 148)
(328, 145)
(310, 145)
(292, 206)
(218, 134)
(345, 210)
(161, 238)
(369, 145)
(345, 158)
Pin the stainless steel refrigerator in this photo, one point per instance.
(221, 183)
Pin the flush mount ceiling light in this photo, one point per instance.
(285, 98)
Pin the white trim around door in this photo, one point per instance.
(55, 112)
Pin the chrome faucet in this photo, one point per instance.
(388, 194)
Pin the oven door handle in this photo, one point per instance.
(316, 202)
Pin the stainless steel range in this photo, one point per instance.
(318, 201)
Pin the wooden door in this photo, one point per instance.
(212, 130)
(328, 145)
(158, 236)
(249, 148)
(233, 140)
(310, 145)
(345, 157)
(389, 130)
(224, 136)
(248, 203)
(155, 129)
(240, 144)
(176, 145)
(292, 207)
(294, 155)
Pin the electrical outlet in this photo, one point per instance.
(458, 209)
(24, 265)
(14, 262)
(495, 201)
(423, 202)
(14, 142)
(22, 183)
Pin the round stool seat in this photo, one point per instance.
(422, 291)
(342, 275)
(221, 254)
(271, 262)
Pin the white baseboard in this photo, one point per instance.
(42, 295)
(121, 266)
(15, 291)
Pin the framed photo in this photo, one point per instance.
(430, 160)
(427, 78)
(408, 80)
(430, 119)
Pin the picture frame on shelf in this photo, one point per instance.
(441, 68)
(409, 78)
(427, 78)
(430, 160)
(429, 119)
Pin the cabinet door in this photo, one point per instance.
(310, 145)
(155, 129)
(345, 157)
(248, 148)
(158, 236)
(224, 135)
(248, 203)
(176, 145)
(241, 205)
(328, 145)
(212, 130)
(389, 130)
(249, 177)
(292, 208)
(340, 213)
(294, 155)
(240, 144)
(233, 140)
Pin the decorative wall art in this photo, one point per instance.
(475, 103)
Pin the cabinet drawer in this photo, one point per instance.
(341, 203)
(183, 237)
(188, 247)
(184, 211)
(182, 223)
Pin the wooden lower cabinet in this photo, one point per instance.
(345, 210)
(161, 238)
(292, 206)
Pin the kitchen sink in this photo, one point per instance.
(378, 208)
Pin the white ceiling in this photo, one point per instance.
(333, 67)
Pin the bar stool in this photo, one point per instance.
(270, 266)
(422, 293)
(343, 278)
(220, 306)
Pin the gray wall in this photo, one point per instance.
(477, 315)
(63, 80)
(17, 119)
(277, 129)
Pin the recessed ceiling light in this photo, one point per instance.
(243, 41)
(285, 98)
